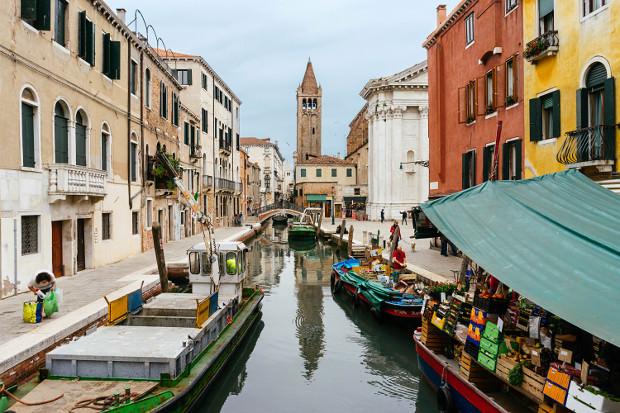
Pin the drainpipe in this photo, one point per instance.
(129, 124)
(15, 254)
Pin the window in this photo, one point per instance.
(357, 191)
(134, 222)
(86, 39)
(60, 22)
(511, 81)
(176, 103)
(545, 116)
(319, 172)
(511, 5)
(302, 172)
(469, 29)
(204, 81)
(489, 96)
(61, 133)
(334, 172)
(487, 162)
(133, 78)
(349, 172)
(238, 142)
(30, 234)
(205, 121)
(590, 6)
(81, 139)
(105, 225)
(186, 133)
(512, 160)
(163, 100)
(105, 148)
(149, 213)
(36, 13)
(184, 76)
(470, 101)
(231, 263)
(111, 57)
(147, 92)
(469, 169)
(134, 162)
(30, 128)
(545, 16)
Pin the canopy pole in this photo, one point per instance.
(495, 169)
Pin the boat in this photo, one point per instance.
(279, 219)
(306, 226)
(383, 302)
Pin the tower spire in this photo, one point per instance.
(309, 84)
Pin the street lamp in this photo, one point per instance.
(421, 163)
(333, 200)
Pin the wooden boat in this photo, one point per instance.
(306, 227)
(383, 302)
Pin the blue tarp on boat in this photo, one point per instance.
(555, 239)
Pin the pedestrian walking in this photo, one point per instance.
(404, 215)
(382, 215)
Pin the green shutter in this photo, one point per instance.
(115, 59)
(582, 108)
(90, 42)
(186, 133)
(609, 107)
(104, 152)
(519, 155)
(557, 131)
(43, 20)
(597, 74)
(535, 120)
(106, 55)
(505, 161)
(80, 145)
(61, 142)
(192, 140)
(487, 159)
(27, 135)
(82, 35)
(544, 7)
(189, 77)
(465, 171)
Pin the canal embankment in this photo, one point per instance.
(83, 307)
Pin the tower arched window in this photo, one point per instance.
(303, 104)
(81, 126)
(30, 128)
(313, 103)
(61, 133)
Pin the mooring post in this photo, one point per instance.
(342, 227)
(159, 257)
(350, 246)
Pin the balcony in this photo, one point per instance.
(207, 182)
(238, 188)
(225, 146)
(543, 46)
(75, 180)
(195, 152)
(224, 185)
(593, 146)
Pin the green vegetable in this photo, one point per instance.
(515, 375)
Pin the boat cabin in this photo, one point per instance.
(225, 270)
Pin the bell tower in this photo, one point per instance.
(309, 106)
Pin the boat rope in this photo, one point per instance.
(102, 403)
(444, 374)
(3, 390)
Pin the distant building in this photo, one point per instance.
(253, 187)
(397, 114)
(271, 162)
(309, 107)
(289, 181)
(355, 198)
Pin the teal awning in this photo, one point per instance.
(555, 239)
(316, 198)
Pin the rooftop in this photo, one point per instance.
(326, 160)
(450, 20)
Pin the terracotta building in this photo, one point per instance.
(475, 62)
(357, 145)
(309, 106)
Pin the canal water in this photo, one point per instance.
(312, 352)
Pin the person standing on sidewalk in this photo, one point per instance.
(395, 234)
(382, 215)
(399, 262)
(404, 215)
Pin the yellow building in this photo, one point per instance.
(571, 58)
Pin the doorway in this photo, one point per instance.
(170, 226)
(327, 209)
(81, 245)
(58, 267)
(338, 212)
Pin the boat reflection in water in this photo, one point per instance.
(315, 353)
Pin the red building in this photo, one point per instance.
(475, 62)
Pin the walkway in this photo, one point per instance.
(424, 261)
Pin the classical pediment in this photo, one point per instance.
(412, 77)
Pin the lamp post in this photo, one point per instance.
(333, 199)
(421, 163)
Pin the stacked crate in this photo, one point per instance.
(433, 338)
(533, 384)
(476, 374)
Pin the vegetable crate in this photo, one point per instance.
(433, 338)
(476, 374)
(533, 384)
(582, 400)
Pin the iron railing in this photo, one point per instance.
(547, 44)
(222, 184)
(195, 152)
(278, 205)
(225, 144)
(587, 145)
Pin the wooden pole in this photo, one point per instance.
(350, 245)
(342, 227)
(318, 226)
(159, 256)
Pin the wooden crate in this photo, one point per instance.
(534, 384)
(504, 365)
(433, 338)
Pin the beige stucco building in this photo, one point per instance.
(267, 155)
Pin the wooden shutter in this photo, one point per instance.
(582, 108)
(61, 143)
(115, 59)
(465, 170)
(80, 144)
(462, 104)
(535, 120)
(557, 131)
(505, 161)
(82, 35)
(186, 133)
(43, 20)
(189, 77)
(106, 55)
(487, 158)
(104, 152)
(609, 114)
(27, 135)
(519, 155)
(90, 42)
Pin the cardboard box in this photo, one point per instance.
(565, 355)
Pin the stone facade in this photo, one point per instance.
(397, 113)
(309, 107)
(267, 155)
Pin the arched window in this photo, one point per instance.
(410, 156)
(61, 133)
(147, 92)
(81, 125)
(313, 103)
(303, 105)
(596, 84)
(30, 128)
(106, 138)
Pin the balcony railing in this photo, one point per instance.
(76, 180)
(222, 184)
(593, 146)
(195, 152)
(225, 145)
(546, 44)
(207, 182)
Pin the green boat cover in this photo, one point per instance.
(374, 291)
(555, 239)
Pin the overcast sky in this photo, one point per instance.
(260, 49)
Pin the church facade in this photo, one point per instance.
(398, 149)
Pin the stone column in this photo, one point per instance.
(397, 178)
(423, 144)
(370, 199)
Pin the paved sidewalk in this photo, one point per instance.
(91, 285)
(424, 260)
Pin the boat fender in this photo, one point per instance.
(444, 399)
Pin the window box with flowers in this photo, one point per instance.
(543, 46)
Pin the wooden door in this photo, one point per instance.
(57, 266)
(81, 253)
(338, 213)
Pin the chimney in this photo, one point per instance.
(121, 14)
(441, 14)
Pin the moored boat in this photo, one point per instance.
(306, 227)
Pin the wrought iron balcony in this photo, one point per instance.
(546, 44)
(222, 184)
(195, 152)
(67, 179)
(593, 146)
